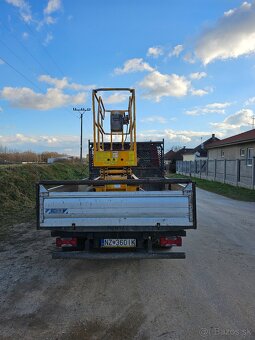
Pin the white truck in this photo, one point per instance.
(126, 208)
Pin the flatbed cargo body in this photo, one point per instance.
(91, 216)
(94, 210)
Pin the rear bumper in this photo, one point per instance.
(117, 256)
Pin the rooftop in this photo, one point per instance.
(243, 137)
(201, 148)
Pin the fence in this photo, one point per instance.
(235, 172)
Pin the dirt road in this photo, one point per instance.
(209, 295)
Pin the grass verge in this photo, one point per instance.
(17, 188)
(237, 193)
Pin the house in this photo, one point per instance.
(241, 146)
(172, 156)
(200, 152)
(188, 154)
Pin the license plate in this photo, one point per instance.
(118, 243)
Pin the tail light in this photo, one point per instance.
(69, 242)
(170, 241)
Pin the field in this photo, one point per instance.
(17, 188)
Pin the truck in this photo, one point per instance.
(127, 207)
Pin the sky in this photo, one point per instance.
(192, 64)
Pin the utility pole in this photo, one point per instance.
(253, 119)
(81, 112)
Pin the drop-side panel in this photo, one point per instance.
(131, 209)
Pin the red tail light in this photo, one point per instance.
(168, 241)
(72, 242)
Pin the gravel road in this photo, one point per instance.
(209, 295)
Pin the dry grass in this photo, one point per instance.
(17, 188)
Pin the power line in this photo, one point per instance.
(45, 50)
(48, 54)
(15, 54)
(41, 46)
(21, 74)
(26, 49)
(33, 57)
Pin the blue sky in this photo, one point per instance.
(192, 64)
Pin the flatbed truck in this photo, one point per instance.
(127, 208)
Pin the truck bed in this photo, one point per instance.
(74, 212)
(139, 210)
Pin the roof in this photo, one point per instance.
(201, 148)
(248, 136)
(176, 155)
(169, 155)
(205, 144)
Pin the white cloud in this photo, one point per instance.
(24, 9)
(175, 136)
(193, 112)
(191, 133)
(218, 105)
(154, 119)
(63, 83)
(25, 35)
(189, 58)
(158, 85)
(208, 109)
(1, 109)
(150, 135)
(68, 144)
(1, 62)
(203, 111)
(17, 139)
(27, 16)
(26, 98)
(134, 65)
(199, 92)
(52, 6)
(197, 75)
(115, 98)
(231, 37)
(155, 51)
(242, 118)
(250, 101)
(63, 141)
(246, 5)
(53, 98)
(190, 137)
(49, 20)
(176, 51)
(48, 39)
(229, 12)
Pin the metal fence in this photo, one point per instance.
(235, 172)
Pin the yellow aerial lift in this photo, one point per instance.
(115, 163)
